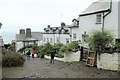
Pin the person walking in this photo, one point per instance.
(52, 55)
(28, 54)
(33, 53)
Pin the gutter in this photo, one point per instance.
(94, 12)
(104, 15)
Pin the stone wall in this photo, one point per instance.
(58, 59)
(71, 57)
(109, 61)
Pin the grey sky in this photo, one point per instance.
(37, 14)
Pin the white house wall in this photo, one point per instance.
(54, 37)
(111, 20)
(63, 38)
(88, 23)
(19, 45)
(76, 31)
(119, 19)
(48, 36)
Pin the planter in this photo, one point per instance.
(109, 61)
(72, 56)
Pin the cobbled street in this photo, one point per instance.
(41, 68)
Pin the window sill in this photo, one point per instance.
(98, 23)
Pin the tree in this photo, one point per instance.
(98, 40)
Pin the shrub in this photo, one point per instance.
(57, 46)
(46, 49)
(12, 59)
(99, 40)
(65, 48)
(70, 47)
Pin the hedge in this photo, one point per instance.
(12, 59)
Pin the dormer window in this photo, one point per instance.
(98, 19)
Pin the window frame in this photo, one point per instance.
(98, 18)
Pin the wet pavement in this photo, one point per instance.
(41, 68)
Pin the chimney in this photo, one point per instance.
(48, 26)
(62, 24)
(22, 31)
(28, 33)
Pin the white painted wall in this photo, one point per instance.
(88, 23)
(111, 20)
(75, 30)
(63, 38)
(71, 57)
(109, 61)
(48, 36)
(54, 37)
(55, 58)
(19, 45)
(119, 19)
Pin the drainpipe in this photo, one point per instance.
(104, 15)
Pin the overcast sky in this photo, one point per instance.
(37, 14)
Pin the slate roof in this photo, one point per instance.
(96, 7)
(57, 29)
(35, 36)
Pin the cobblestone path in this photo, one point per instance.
(41, 68)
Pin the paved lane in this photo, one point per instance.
(41, 68)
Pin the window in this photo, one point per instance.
(67, 40)
(44, 39)
(84, 37)
(50, 40)
(58, 41)
(98, 19)
(74, 35)
(47, 40)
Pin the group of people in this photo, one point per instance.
(29, 53)
(52, 54)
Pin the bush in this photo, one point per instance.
(57, 46)
(70, 47)
(99, 40)
(12, 59)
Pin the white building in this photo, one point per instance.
(104, 14)
(27, 39)
(55, 35)
(63, 34)
(74, 30)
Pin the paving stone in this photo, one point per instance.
(41, 68)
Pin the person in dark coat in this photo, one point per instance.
(28, 54)
(52, 55)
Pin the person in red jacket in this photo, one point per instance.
(33, 52)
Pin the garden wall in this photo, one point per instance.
(109, 61)
(58, 59)
(71, 57)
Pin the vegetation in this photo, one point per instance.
(98, 40)
(12, 59)
(117, 46)
(57, 46)
(46, 49)
(70, 47)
